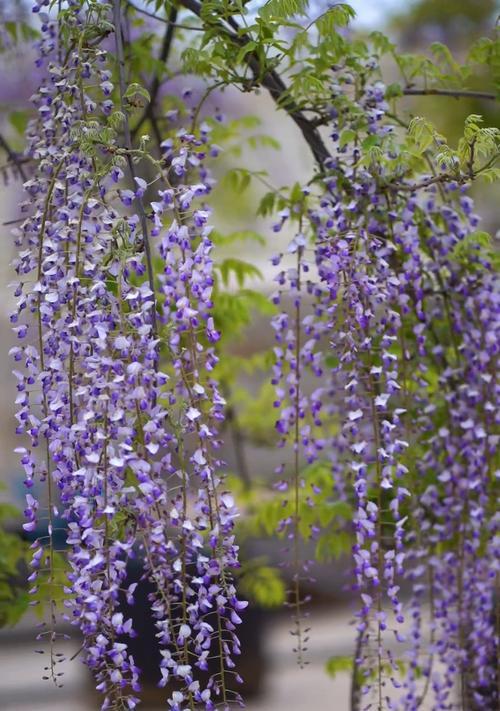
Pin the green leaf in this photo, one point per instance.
(116, 120)
(424, 134)
(338, 664)
(382, 43)
(296, 194)
(474, 245)
(263, 585)
(248, 47)
(370, 142)
(394, 90)
(267, 204)
(347, 136)
(264, 141)
(20, 31)
(337, 16)
(442, 52)
(11, 28)
(332, 545)
(329, 510)
(240, 269)
(257, 300)
(8, 511)
(239, 236)
(134, 90)
(19, 120)
(13, 552)
(237, 179)
(256, 415)
(490, 175)
(472, 125)
(283, 9)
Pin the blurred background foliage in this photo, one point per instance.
(458, 25)
(454, 23)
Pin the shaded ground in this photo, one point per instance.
(284, 686)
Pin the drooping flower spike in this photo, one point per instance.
(387, 282)
(129, 451)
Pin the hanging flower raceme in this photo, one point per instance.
(356, 306)
(298, 331)
(362, 296)
(390, 292)
(120, 436)
(205, 551)
(387, 281)
(456, 551)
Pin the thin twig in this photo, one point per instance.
(238, 445)
(163, 58)
(444, 178)
(156, 129)
(13, 157)
(296, 590)
(13, 222)
(454, 93)
(355, 685)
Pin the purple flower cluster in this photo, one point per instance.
(297, 355)
(128, 452)
(205, 551)
(457, 550)
(362, 296)
(386, 352)
(417, 415)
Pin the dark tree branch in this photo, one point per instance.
(409, 91)
(128, 145)
(156, 130)
(454, 93)
(274, 84)
(166, 46)
(238, 447)
(165, 20)
(13, 157)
